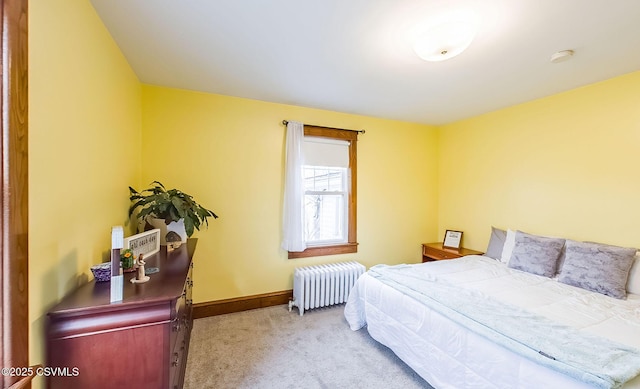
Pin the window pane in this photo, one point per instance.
(320, 179)
(325, 204)
(325, 218)
(336, 181)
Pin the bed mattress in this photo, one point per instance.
(448, 355)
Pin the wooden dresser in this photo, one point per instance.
(436, 252)
(140, 342)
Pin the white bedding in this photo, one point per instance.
(447, 355)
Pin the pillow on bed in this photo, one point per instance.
(633, 283)
(563, 255)
(535, 254)
(597, 267)
(507, 249)
(496, 243)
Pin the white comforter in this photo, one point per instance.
(449, 356)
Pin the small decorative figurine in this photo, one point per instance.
(173, 240)
(140, 276)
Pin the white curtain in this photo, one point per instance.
(293, 214)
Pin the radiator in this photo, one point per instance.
(323, 285)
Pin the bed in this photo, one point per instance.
(483, 322)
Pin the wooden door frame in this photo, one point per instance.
(14, 229)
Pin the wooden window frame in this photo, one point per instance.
(351, 246)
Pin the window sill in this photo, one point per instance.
(318, 251)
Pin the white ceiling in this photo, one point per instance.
(356, 56)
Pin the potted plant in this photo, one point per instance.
(173, 211)
(127, 259)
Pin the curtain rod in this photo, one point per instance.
(285, 122)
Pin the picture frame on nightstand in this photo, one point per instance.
(452, 239)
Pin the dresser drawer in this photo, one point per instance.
(175, 366)
(438, 254)
(180, 334)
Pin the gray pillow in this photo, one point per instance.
(496, 243)
(536, 254)
(597, 267)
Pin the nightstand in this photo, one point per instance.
(435, 252)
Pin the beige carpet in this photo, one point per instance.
(274, 348)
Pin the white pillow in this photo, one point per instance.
(633, 283)
(509, 244)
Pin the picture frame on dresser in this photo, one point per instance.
(452, 239)
(146, 243)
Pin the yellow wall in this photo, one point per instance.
(84, 150)
(229, 154)
(566, 165)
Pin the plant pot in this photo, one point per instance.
(173, 232)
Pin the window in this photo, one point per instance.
(329, 192)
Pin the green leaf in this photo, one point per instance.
(179, 206)
(188, 226)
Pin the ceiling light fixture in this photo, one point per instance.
(561, 56)
(445, 40)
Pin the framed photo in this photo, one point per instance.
(452, 239)
(147, 243)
